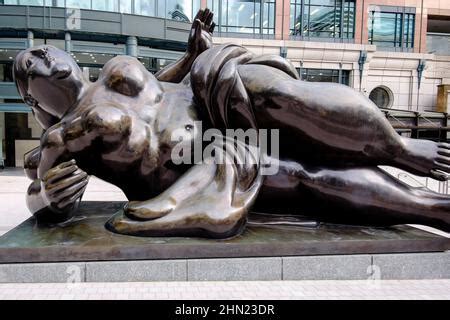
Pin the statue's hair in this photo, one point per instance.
(218, 89)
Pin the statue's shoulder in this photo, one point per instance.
(125, 75)
(209, 65)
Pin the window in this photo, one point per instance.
(125, 6)
(391, 29)
(154, 64)
(32, 2)
(382, 97)
(6, 61)
(145, 7)
(182, 10)
(105, 5)
(244, 16)
(6, 72)
(323, 18)
(82, 4)
(324, 75)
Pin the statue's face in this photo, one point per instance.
(51, 77)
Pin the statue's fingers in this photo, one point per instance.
(66, 164)
(199, 14)
(72, 198)
(209, 18)
(198, 27)
(57, 173)
(73, 189)
(211, 29)
(205, 14)
(67, 182)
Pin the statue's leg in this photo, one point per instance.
(366, 195)
(211, 199)
(331, 123)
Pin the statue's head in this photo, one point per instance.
(48, 78)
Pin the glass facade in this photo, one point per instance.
(6, 62)
(154, 64)
(391, 29)
(323, 18)
(183, 10)
(91, 63)
(438, 43)
(244, 16)
(16, 129)
(324, 75)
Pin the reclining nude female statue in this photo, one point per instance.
(119, 129)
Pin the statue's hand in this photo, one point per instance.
(200, 37)
(63, 185)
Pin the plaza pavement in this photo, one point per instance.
(13, 185)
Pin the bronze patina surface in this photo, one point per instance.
(332, 140)
(86, 239)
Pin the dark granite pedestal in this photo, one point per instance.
(86, 239)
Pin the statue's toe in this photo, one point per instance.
(148, 210)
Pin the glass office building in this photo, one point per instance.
(183, 10)
(253, 17)
(324, 75)
(322, 19)
(391, 29)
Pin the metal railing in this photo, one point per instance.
(442, 186)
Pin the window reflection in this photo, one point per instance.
(182, 10)
(82, 4)
(105, 5)
(154, 64)
(244, 16)
(32, 2)
(381, 97)
(6, 61)
(385, 29)
(125, 6)
(323, 18)
(145, 7)
(324, 75)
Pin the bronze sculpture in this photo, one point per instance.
(331, 140)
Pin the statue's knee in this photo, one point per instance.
(108, 121)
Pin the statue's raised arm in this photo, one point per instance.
(200, 39)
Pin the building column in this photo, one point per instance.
(131, 46)
(67, 42)
(30, 39)
(282, 12)
(420, 32)
(360, 23)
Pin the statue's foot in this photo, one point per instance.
(150, 209)
(426, 157)
(183, 222)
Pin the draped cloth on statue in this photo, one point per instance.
(220, 94)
